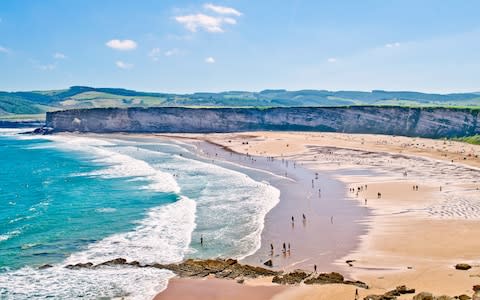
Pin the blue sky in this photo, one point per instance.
(186, 46)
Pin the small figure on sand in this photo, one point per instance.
(304, 217)
(315, 268)
(293, 220)
(356, 294)
(379, 195)
(365, 201)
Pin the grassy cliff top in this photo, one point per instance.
(33, 104)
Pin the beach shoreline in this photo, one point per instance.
(391, 253)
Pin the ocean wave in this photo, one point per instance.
(163, 236)
(116, 164)
(231, 206)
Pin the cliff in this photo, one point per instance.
(422, 122)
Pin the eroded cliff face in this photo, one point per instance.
(422, 122)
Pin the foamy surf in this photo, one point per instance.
(226, 206)
(116, 164)
(105, 283)
(163, 236)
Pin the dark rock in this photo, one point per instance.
(463, 267)
(113, 262)
(393, 294)
(78, 266)
(325, 278)
(464, 297)
(423, 296)
(350, 262)
(134, 264)
(443, 297)
(268, 263)
(358, 283)
(476, 288)
(240, 281)
(41, 130)
(379, 297)
(290, 278)
(46, 266)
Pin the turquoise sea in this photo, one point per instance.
(70, 199)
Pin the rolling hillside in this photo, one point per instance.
(33, 105)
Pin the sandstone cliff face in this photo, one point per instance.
(423, 122)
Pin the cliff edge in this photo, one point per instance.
(422, 122)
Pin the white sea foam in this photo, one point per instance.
(163, 236)
(229, 210)
(61, 283)
(231, 206)
(117, 165)
(106, 210)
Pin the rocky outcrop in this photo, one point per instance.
(463, 267)
(423, 122)
(299, 276)
(226, 268)
(391, 295)
(290, 278)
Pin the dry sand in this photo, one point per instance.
(414, 237)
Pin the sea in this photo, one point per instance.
(67, 199)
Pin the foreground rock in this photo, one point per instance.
(393, 294)
(227, 268)
(299, 276)
(463, 267)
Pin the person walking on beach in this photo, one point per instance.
(293, 220)
(304, 218)
(356, 294)
(315, 268)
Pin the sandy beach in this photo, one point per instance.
(424, 221)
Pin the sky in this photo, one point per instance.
(197, 46)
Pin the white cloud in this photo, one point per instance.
(392, 45)
(210, 60)
(222, 9)
(154, 54)
(123, 65)
(122, 45)
(58, 55)
(205, 22)
(4, 50)
(332, 60)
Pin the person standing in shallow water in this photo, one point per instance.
(201, 240)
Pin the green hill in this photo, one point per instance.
(33, 104)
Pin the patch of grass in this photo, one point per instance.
(475, 139)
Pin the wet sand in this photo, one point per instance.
(217, 289)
